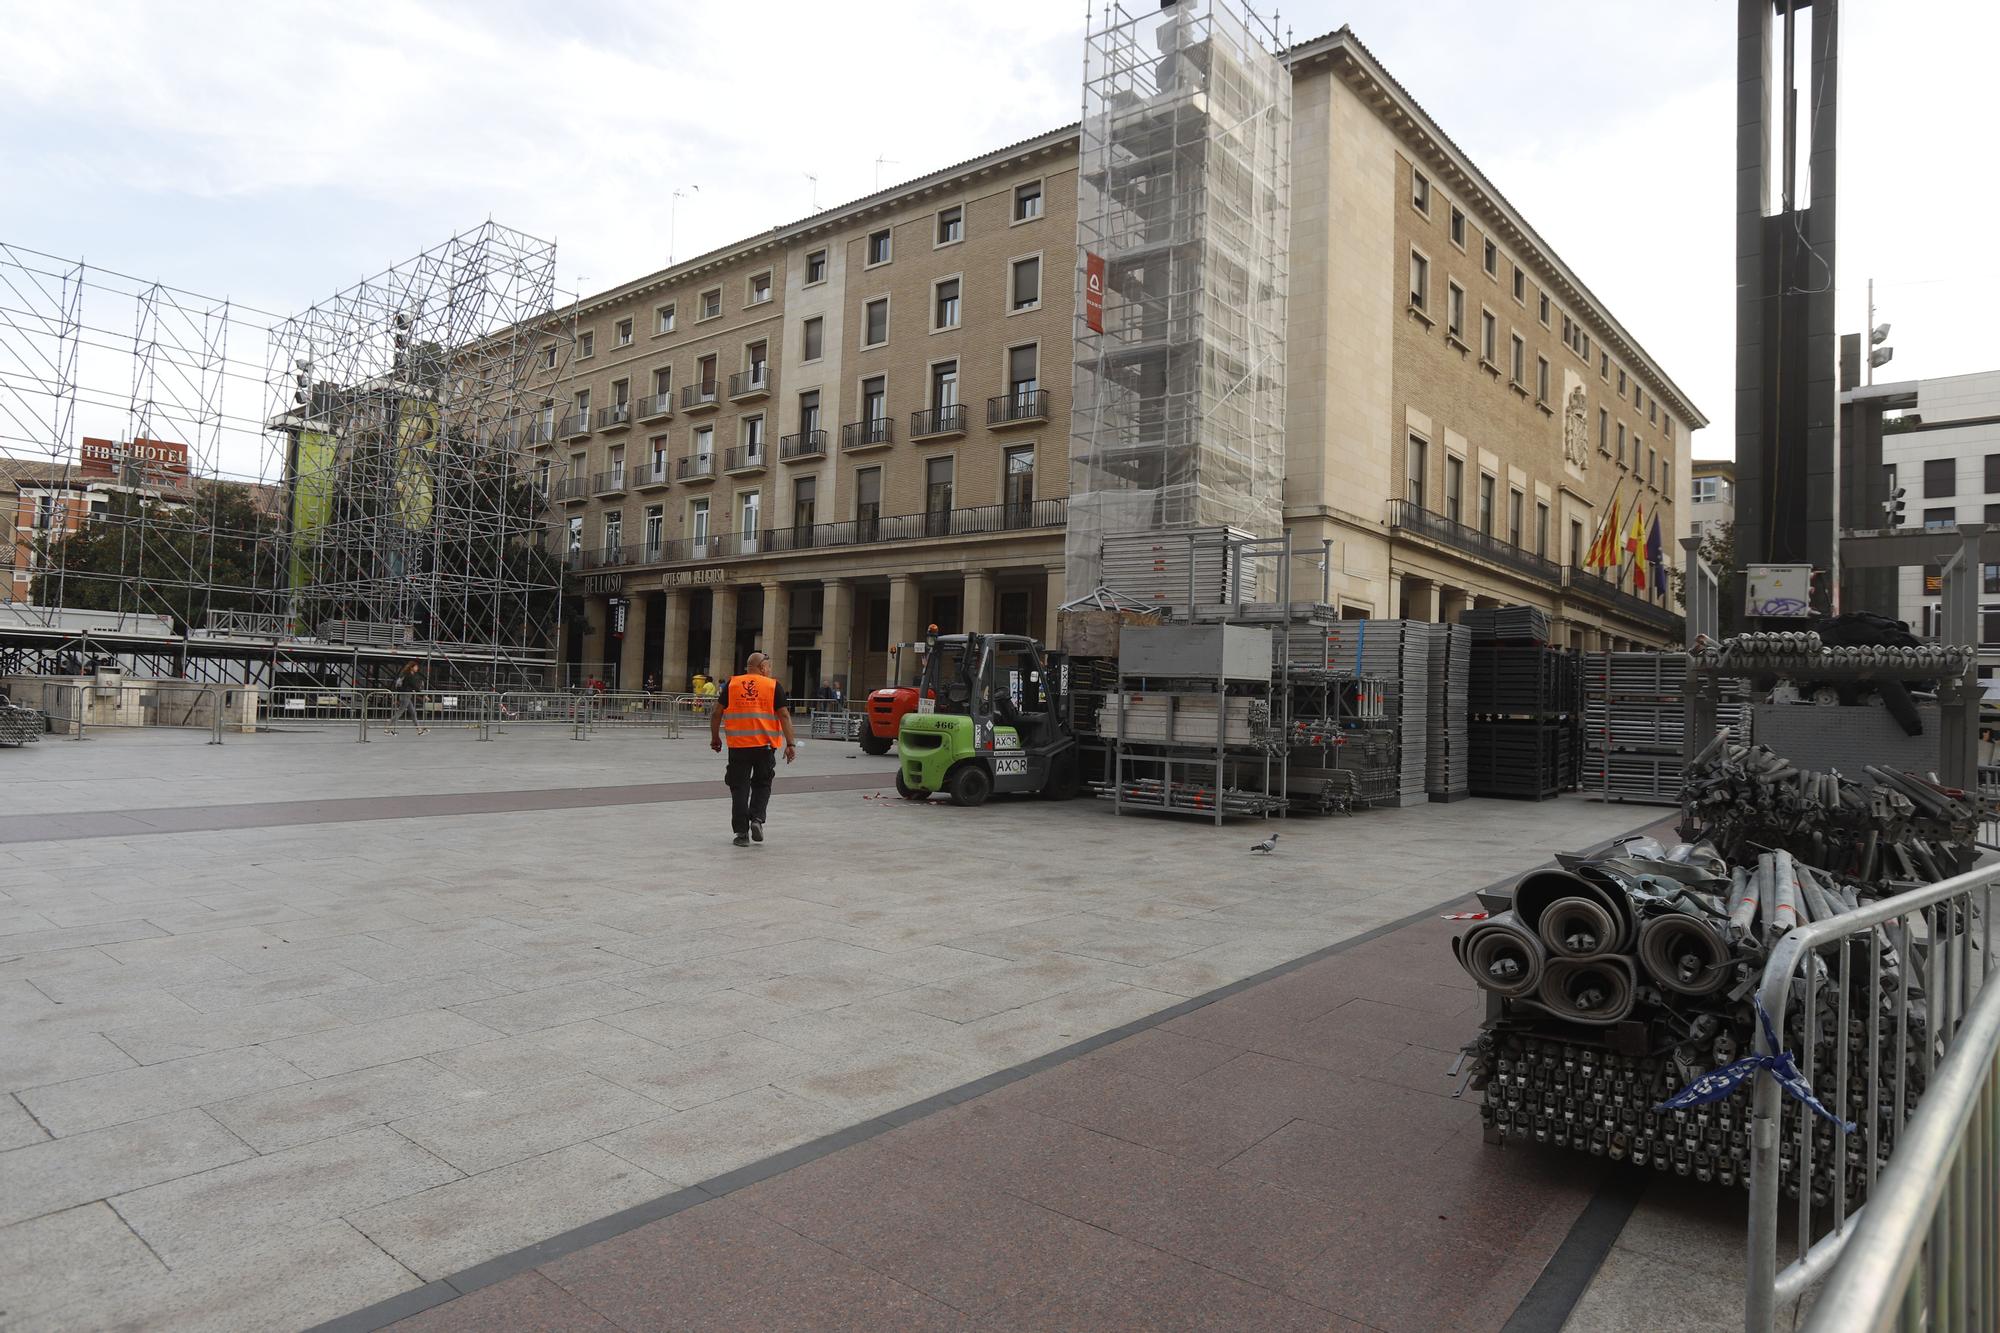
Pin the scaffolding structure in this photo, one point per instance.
(1184, 227)
(399, 420)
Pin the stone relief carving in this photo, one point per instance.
(1576, 439)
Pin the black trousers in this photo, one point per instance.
(752, 768)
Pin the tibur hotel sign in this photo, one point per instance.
(107, 458)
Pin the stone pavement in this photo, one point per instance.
(262, 1074)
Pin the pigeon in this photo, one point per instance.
(1267, 846)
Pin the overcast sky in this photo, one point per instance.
(274, 153)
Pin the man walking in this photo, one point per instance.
(409, 684)
(752, 713)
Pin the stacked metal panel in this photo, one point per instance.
(1524, 703)
(1635, 725)
(1396, 652)
(1447, 757)
(1506, 624)
(1163, 569)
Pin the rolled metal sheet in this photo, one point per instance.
(1538, 889)
(1579, 927)
(1685, 954)
(1597, 991)
(1502, 955)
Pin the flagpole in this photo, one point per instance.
(1610, 513)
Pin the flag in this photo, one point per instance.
(1635, 547)
(1604, 546)
(1656, 554)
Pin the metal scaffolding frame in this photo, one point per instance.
(1183, 215)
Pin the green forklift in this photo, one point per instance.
(992, 716)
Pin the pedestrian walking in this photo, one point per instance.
(408, 688)
(753, 714)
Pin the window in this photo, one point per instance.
(663, 319)
(1490, 260)
(1018, 482)
(1542, 380)
(875, 323)
(1027, 285)
(1652, 462)
(698, 520)
(1940, 518)
(1514, 502)
(809, 411)
(1621, 381)
(1993, 516)
(1542, 529)
(1486, 503)
(1604, 365)
(760, 289)
(1706, 490)
(658, 445)
(1454, 311)
(704, 441)
(805, 500)
(1992, 473)
(621, 393)
(1457, 227)
(1989, 627)
(576, 534)
(1489, 335)
(1653, 412)
(586, 345)
(944, 311)
(663, 383)
(614, 531)
(815, 267)
(937, 496)
(1022, 370)
(1940, 478)
(1519, 364)
(656, 530)
(1454, 484)
(1604, 431)
(1621, 444)
(944, 384)
(1576, 542)
(1416, 470)
(812, 339)
(1420, 192)
(753, 438)
(1669, 424)
(1520, 285)
(549, 357)
(705, 374)
(1028, 201)
(749, 508)
(757, 358)
(711, 303)
(542, 470)
(1667, 477)
(868, 500)
(1543, 313)
(950, 225)
(878, 246)
(1420, 280)
(1989, 579)
(874, 398)
(622, 332)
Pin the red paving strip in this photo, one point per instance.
(1287, 1157)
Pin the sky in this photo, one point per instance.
(273, 154)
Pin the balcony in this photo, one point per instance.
(609, 483)
(655, 406)
(985, 520)
(615, 417)
(858, 435)
(608, 557)
(938, 423)
(1023, 407)
(1590, 586)
(696, 467)
(571, 490)
(699, 397)
(651, 476)
(501, 441)
(753, 383)
(743, 459)
(541, 432)
(574, 426)
(807, 444)
(1415, 519)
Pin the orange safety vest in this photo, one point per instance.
(750, 718)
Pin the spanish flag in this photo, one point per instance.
(1603, 551)
(1635, 547)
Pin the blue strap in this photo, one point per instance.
(1717, 1084)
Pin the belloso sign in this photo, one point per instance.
(604, 583)
(107, 458)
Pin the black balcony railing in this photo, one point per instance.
(695, 465)
(1591, 586)
(651, 474)
(806, 444)
(984, 520)
(743, 458)
(755, 380)
(541, 432)
(863, 434)
(656, 405)
(946, 420)
(609, 483)
(1414, 518)
(698, 395)
(614, 416)
(571, 488)
(576, 423)
(500, 440)
(1022, 405)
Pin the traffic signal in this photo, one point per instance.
(1892, 508)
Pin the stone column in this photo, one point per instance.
(836, 633)
(1051, 635)
(978, 601)
(674, 643)
(722, 633)
(1424, 600)
(1452, 603)
(777, 628)
(903, 608)
(632, 662)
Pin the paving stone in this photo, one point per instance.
(45, 1263)
(62, 1173)
(892, 1078)
(309, 1111)
(698, 1144)
(826, 988)
(134, 1094)
(526, 1303)
(205, 1216)
(77, 937)
(38, 1058)
(508, 1126)
(264, 988)
(457, 1225)
(176, 1038)
(548, 1056)
(700, 1018)
(380, 1000)
(356, 1046)
(17, 1128)
(529, 1011)
(701, 1072)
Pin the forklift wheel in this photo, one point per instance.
(1065, 781)
(907, 792)
(969, 784)
(873, 744)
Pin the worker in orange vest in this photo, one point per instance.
(753, 715)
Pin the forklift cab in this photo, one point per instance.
(991, 716)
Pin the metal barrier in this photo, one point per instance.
(1936, 971)
(143, 705)
(626, 712)
(1926, 1254)
(288, 707)
(471, 709)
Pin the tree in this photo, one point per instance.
(1718, 548)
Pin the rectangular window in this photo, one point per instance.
(576, 534)
(1989, 579)
(1576, 543)
(1542, 380)
(944, 384)
(616, 459)
(812, 337)
(1420, 192)
(1022, 373)
(1989, 627)
(586, 346)
(1604, 365)
(753, 437)
(875, 323)
(1420, 281)
(950, 225)
(704, 441)
(756, 358)
(623, 331)
(1454, 311)
(760, 289)
(1454, 485)
(874, 398)
(1653, 412)
(1490, 260)
(1027, 201)
(1027, 285)
(663, 319)
(1489, 336)
(541, 483)
(1992, 474)
(749, 512)
(711, 303)
(1940, 477)
(945, 315)
(878, 246)
(1542, 313)
(1604, 431)
(1993, 516)
(658, 445)
(815, 267)
(1621, 381)
(1514, 502)
(937, 496)
(1652, 462)
(663, 382)
(656, 531)
(1706, 490)
(805, 501)
(1518, 366)
(549, 357)
(1018, 479)
(1940, 518)
(1520, 285)
(868, 496)
(809, 411)
(1667, 476)
(614, 531)
(1486, 503)
(1541, 529)
(1621, 444)
(1457, 227)
(1416, 470)
(698, 520)
(705, 375)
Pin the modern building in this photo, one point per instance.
(1712, 495)
(826, 437)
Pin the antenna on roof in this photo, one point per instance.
(673, 217)
(881, 162)
(815, 190)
